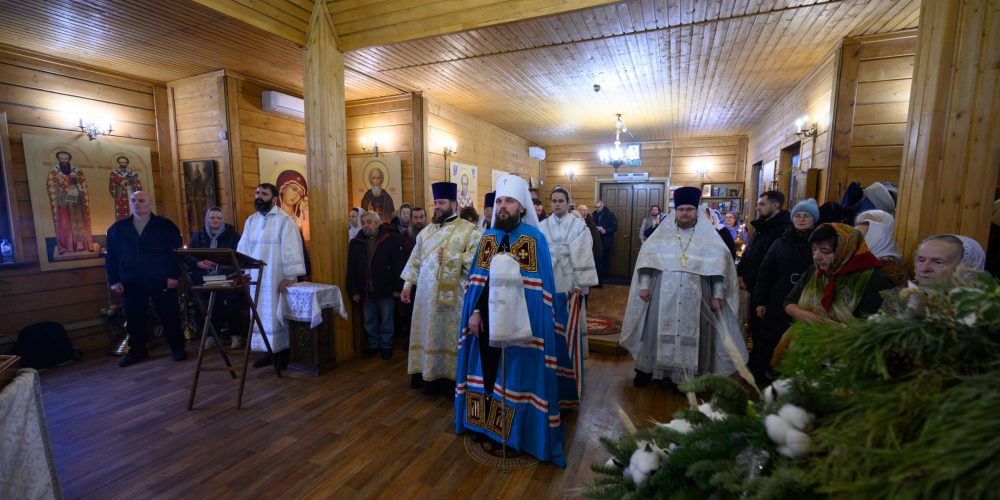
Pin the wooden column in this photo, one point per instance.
(952, 149)
(326, 164)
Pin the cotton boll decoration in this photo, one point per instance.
(710, 412)
(645, 459)
(796, 417)
(777, 389)
(777, 429)
(797, 444)
(678, 424)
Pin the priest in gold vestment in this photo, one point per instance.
(438, 268)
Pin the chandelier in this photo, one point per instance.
(616, 156)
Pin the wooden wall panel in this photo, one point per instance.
(38, 95)
(811, 96)
(873, 95)
(390, 121)
(479, 142)
(199, 121)
(259, 129)
(726, 157)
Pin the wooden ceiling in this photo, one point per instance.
(673, 68)
(159, 40)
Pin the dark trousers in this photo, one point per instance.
(763, 347)
(136, 302)
(490, 359)
(607, 245)
(228, 312)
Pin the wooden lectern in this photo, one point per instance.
(235, 264)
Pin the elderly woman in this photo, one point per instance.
(844, 281)
(228, 306)
(939, 256)
(877, 226)
(789, 256)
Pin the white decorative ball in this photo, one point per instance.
(796, 416)
(777, 428)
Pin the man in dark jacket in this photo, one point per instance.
(141, 266)
(375, 260)
(771, 223)
(606, 224)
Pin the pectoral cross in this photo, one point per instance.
(684, 260)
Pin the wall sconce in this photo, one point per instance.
(450, 149)
(94, 128)
(374, 151)
(701, 168)
(571, 173)
(804, 129)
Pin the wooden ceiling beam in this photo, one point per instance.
(461, 16)
(240, 11)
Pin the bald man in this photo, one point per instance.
(141, 266)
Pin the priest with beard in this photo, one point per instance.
(683, 301)
(270, 235)
(438, 268)
(519, 402)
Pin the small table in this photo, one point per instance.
(309, 309)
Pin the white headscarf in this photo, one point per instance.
(879, 238)
(512, 186)
(879, 195)
(973, 255)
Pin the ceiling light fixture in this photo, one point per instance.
(616, 157)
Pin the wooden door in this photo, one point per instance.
(644, 195)
(618, 198)
(630, 203)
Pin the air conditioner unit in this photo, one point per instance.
(284, 104)
(536, 153)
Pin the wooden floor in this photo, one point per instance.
(356, 432)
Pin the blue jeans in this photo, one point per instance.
(378, 322)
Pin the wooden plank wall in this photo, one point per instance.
(37, 94)
(873, 99)
(479, 142)
(725, 157)
(198, 115)
(813, 96)
(251, 128)
(390, 120)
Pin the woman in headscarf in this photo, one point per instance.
(789, 256)
(736, 230)
(228, 306)
(877, 226)
(844, 281)
(716, 217)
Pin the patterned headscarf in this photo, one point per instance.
(851, 256)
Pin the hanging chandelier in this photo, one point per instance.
(617, 156)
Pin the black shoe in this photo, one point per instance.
(263, 361)
(387, 354)
(282, 357)
(369, 353)
(416, 381)
(131, 359)
(642, 379)
(178, 353)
